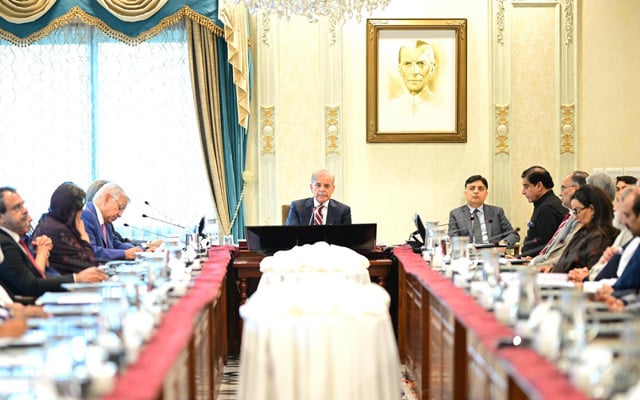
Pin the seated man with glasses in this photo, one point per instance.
(19, 274)
(108, 205)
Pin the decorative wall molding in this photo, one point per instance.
(267, 47)
(568, 21)
(567, 127)
(502, 129)
(500, 21)
(331, 57)
(513, 87)
(267, 130)
(265, 29)
(332, 126)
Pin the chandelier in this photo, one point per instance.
(337, 10)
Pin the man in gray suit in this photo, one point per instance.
(481, 222)
(320, 209)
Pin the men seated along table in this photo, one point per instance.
(553, 249)
(476, 218)
(18, 273)
(629, 280)
(108, 205)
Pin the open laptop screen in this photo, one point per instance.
(269, 239)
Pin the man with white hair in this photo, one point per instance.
(108, 205)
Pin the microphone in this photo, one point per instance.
(499, 237)
(144, 230)
(156, 210)
(456, 221)
(163, 221)
(464, 227)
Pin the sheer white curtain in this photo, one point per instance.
(79, 106)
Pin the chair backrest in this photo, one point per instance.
(285, 213)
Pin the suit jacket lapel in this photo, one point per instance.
(307, 212)
(469, 215)
(25, 259)
(488, 216)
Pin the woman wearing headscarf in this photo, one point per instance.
(71, 250)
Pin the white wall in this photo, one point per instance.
(387, 183)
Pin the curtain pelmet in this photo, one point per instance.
(21, 12)
(94, 15)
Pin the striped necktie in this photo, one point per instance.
(317, 215)
(475, 227)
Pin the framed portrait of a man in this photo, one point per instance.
(416, 80)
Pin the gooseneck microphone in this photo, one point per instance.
(163, 221)
(465, 227)
(156, 210)
(499, 237)
(457, 221)
(144, 230)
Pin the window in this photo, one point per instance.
(79, 106)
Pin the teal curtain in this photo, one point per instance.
(203, 13)
(234, 142)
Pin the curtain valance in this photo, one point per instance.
(130, 21)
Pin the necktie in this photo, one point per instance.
(317, 215)
(104, 235)
(555, 235)
(30, 256)
(476, 231)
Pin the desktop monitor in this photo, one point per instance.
(269, 239)
(422, 232)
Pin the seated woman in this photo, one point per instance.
(594, 212)
(71, 251)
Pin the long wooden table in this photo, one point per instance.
(243, 280)
(186, 356)
(448, 343)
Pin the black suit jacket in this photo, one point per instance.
(19, 277)
(301, 211)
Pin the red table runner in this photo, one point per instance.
(144, 378)
(526, 366)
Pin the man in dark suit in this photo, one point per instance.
(493, 225)
(319, 209)
(108, 205)
(18, 274)
(548, 212)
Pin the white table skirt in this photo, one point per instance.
(318, 342)
(278, 278)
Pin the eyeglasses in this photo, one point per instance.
(578, 210)
(121, 206)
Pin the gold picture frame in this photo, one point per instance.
(416, 80)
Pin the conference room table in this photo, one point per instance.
(185, 357)
(449, 344)
(318, 336)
